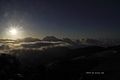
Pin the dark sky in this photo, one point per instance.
(63, 18)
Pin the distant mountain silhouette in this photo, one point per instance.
(91, 41)
(51, 38)
(68, 40)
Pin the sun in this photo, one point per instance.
(13, 31)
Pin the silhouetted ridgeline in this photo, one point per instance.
(51, 38)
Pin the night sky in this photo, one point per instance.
(62, 18)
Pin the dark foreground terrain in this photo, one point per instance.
(61, 63)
